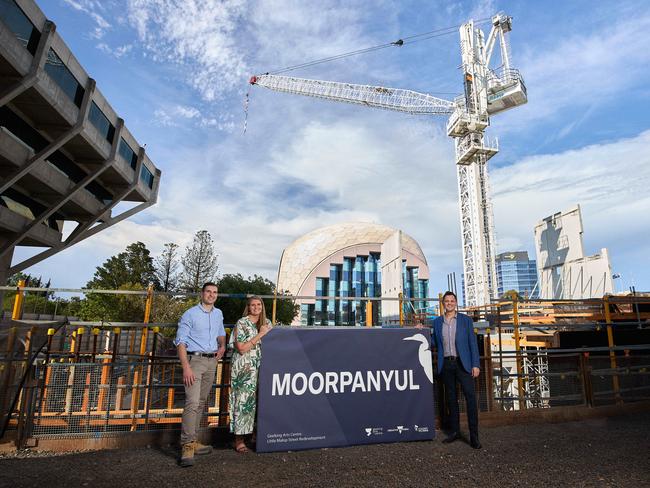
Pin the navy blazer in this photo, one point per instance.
(466, 344)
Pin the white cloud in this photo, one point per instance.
(116, 52)
(94, 9)
(181, 115)
(199, 35)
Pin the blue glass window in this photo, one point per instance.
(146, 176)
(19, 24)
(62, 76)
(101, 123)
(127, 153)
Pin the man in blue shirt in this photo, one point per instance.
(201, 342)
(458, 362)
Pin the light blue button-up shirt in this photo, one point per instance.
(198, 329)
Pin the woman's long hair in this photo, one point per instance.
(262, 318)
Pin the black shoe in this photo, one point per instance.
(475, 443)
(451, 438)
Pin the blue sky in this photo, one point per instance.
(177, 72)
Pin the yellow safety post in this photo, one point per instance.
(440, 310)
(71, 372)
(275, 306)
(520, 379)
(612, 354)
(73, 342)
(80, 333)
(95, 333)
(369, 314)
(138, 374)
(17, 312)
(401, 310)
(148, 304)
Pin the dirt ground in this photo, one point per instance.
(604, 452)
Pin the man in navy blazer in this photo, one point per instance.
(458, 362)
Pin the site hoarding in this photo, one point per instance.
(327, 387)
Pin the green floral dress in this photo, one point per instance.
(243, 379)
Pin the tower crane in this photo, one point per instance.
(486, 92)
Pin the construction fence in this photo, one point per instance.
(65, 378)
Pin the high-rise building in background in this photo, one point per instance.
(516, 272)
(344, 260)
(565, 273)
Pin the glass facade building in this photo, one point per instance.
(358, 277)
(342, 263)
(515, 271)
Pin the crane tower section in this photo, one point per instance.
(485, 92)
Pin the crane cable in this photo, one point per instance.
(400, 42)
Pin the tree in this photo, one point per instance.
(132, 269)
(233, 308)
(134, 265)
(199, 262)
(114, 308)
(167, 267)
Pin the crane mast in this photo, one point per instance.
(486, 92)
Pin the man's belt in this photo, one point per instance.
(451, 358)
(202, 354)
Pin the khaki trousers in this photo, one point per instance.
(204, 370)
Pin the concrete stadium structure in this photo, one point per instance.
(344, 260)
(66, 158)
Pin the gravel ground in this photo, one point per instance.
(603, 452)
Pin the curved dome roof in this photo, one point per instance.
(308, 251)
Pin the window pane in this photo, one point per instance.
(61, 75)
(127, 153)
(101, 123)
(146, 176)
(19, 24)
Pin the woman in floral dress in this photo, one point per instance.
(246, 338)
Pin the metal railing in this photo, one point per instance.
(78, 394)
(67, 378)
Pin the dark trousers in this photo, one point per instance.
(452, 374)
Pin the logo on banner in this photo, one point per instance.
(399, 429)
(424, 354)
(421, 429)
(374, 431)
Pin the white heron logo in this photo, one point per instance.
(424, 354)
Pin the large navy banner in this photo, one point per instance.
(324, 387)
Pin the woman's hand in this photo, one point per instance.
(265, 330)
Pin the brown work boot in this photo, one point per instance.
(187, 455)
(201, 449)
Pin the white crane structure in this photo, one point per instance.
(486, 92)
